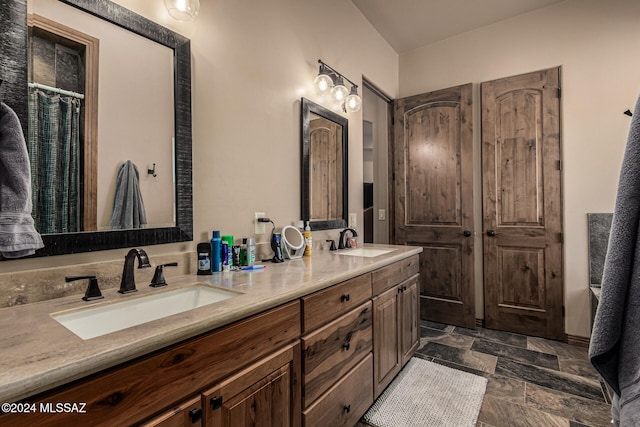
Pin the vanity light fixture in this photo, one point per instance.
(339, 90)
(329, 80)
(323, 80)
(183, 10)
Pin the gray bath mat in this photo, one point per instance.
(427, 394)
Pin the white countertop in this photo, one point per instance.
(38, 354)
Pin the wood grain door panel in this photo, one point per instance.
(433, 186)
(522, 204)
(386, 341)
(325, 146)
(433, 192)
(409, 325)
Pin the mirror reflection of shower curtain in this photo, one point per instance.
(54, 150)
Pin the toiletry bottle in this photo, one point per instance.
(243, 251)
(229, 240)
(250, 251)
(216, 261)
(235, 254)
(308, 242)
(225, 256)
(204, 258)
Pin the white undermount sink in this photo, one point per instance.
(103, 319)
(364, 252)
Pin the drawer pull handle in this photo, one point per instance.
(216, 403)
(346, 409)
(346, 346)
(345, 297)
(195, 415)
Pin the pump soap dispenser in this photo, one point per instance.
(308, 241)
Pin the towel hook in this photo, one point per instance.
(152, 171)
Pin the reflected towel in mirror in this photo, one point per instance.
(18, 236)
(128, 207)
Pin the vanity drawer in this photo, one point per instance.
(323, 306)
(345, 402)
(385, 277)
(331, 351)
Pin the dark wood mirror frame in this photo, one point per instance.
(308, 107)
(13, 19)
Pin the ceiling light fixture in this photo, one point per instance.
(183, 10)
(329, 80)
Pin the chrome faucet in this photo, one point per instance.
(341, 242)
(128, 284)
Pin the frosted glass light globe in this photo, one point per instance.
(353, 103)
(323, 82)
(339, 91)
(183, 10)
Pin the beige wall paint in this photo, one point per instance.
(251, 64)
(596, 44)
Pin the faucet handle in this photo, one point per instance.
(332, 247)
(93, 290)
(158, 277)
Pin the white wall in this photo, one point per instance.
(252, 61)
(596, 43)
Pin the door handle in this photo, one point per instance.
(466, 233)
(491, 233)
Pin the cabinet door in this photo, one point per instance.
(386, 346)
(409, 327)
(187, 414)
(260, 395)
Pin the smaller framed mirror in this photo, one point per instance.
(324, 178)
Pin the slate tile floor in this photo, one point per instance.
(532, 381)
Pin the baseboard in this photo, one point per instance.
(569, 339)
(576, 340)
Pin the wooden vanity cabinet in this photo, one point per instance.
(337, 386)
(264, 394)
(187, 413)
(346, 401)
(134, 391)
(396, 329)
(409, 318)
(318, 361)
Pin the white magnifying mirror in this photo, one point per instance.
(292, 242)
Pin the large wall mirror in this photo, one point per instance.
(141, 101)
(324, 183)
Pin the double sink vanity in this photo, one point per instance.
(308, 342)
